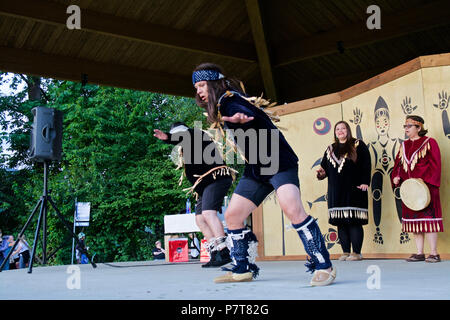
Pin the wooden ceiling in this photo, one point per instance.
(290, 50)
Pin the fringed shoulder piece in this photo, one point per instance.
(420, 153)
(258, 102)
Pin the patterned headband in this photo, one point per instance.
(417, 123)
(416, 119)
(206, 75)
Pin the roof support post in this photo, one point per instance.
(262, 48)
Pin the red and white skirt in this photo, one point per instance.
(427, 220)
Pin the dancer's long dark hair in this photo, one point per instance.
(216, 89)
(347, 147)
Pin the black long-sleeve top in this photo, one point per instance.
(254, 168)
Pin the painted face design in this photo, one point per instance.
(382, 125)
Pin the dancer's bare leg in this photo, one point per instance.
(213, 222)
(291, 203)
(203, 226)
(238, 210)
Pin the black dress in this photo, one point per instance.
(346, 203)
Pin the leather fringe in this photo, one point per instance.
(221, 170)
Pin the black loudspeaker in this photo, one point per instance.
(46, 135)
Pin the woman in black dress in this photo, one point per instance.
(346, 164)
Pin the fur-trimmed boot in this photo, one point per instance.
(319, 261)
(222, 253)
(210, 247)
(243, 252)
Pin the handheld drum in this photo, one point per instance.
(415, 194)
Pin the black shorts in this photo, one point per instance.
(212, 196)
(257, 191)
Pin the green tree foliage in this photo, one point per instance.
(110, 159)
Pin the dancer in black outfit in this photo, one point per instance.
(211, 180)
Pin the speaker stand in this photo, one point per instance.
(43, 203)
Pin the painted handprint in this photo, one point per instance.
(443, 105)
(443, 101)
(407, 106)
(357, 117)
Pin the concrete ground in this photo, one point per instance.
(278, 280)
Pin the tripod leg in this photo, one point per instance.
(20, 234)
(44, 234)
(60, 216)
(36, 235)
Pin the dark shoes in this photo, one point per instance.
(431, 258)
(416, 257)
(218, 259)
(421, 257)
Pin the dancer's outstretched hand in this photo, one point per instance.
(238, 118)
(160, 135)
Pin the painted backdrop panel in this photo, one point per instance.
(377, 117)
(436, 84)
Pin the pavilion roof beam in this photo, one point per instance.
(357, 34)
(345, 83)
(55, 13)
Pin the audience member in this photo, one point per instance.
(21, 255)
(159, 253)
